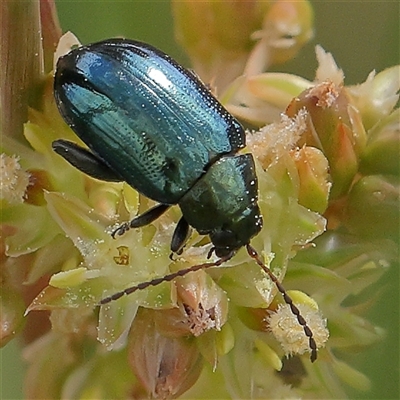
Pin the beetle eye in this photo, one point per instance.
(222, 252)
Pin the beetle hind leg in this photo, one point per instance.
(141, 220)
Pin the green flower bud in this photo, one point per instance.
(268, 354)
(382, 153)
(277, 88)
(286, 28)
(377, 96)
(225, 340)
(261, 99)
(334, 126)
(12, 309)
(351, 376)
(373, 207)
(314, 185)
(241, 36)
(217, 35)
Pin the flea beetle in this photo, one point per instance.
(148, 121)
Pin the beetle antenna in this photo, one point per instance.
(165, 278)
(288, 300)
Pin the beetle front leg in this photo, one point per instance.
(180, 236)
(85, 160)
(141, 220)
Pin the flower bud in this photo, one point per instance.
(268, 354)
(261, 99)
(373, 207)
(351, 376)
(382, 153)
(69, 278)
(165, 366)
(314, 185)
(334, 126)
(12, 309)
(225, 340)
(105, 198)
(286, 28)
(217, 35)
(277, 88)
(376, 97)
(298, 297)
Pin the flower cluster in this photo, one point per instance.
(328, 174)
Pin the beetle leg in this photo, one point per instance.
(210, 253)
(180, 236)
(85, 161)
(141, 220)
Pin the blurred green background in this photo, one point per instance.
(361, 35)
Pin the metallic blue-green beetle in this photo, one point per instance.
(151, 123)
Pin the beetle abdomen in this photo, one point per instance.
(148, 118)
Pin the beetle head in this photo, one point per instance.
(231, 237)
